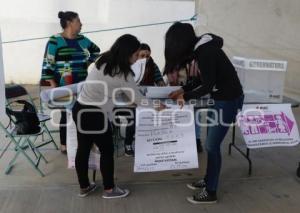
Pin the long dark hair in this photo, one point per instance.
(145, 46)
(66, 16)
(117, 58)
(180, 40)
(148, 79)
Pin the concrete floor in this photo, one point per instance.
(273, 186)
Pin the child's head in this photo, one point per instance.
(145, 51)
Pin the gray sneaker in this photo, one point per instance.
(88, 190)
(116, 193)
(200, 184)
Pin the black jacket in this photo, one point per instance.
(218, 75)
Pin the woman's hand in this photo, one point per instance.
(52, 83)
(174, 95)
(180, 100)
(161, 84)
(160, 107)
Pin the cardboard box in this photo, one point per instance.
(262, 80)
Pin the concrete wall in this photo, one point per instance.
(38, 18)
(268, 29)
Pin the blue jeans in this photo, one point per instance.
(197, 126)
(226, 112)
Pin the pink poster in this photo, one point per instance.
(268, 125)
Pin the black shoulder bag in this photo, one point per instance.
(26, 120)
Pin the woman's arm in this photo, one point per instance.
(49, 63)
(158, 79)
(207, 62)
(94, 51)
(132, 91)
(52, 83)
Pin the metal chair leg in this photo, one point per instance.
(40, 155)
(20, 149)
(51, 140)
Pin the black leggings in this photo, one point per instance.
(93, 121)
(63, 128)
(130, 127)
(130, 132)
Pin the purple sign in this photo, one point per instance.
(265, 124)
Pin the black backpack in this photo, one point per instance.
(26, 121)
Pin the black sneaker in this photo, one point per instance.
(202, 197)
(200, 184)
(129, 151)
(88, 190)
(199, 146)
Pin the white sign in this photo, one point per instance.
(268, 125)
(2, 84)
(165, 140)
(160, 92)
(94, 160)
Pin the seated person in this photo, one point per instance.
(152, 77)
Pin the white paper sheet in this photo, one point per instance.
(160, 92)
(168, 146)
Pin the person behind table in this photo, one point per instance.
(93, 109)
(218, 78)
(66, 59)
(152, 77)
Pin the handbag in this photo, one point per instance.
(26, 121)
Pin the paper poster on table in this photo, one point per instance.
(268, 125)
(94, 160)
(2, 83)
(160, 92)
(165, 140)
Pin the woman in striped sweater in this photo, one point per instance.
(66, 59)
